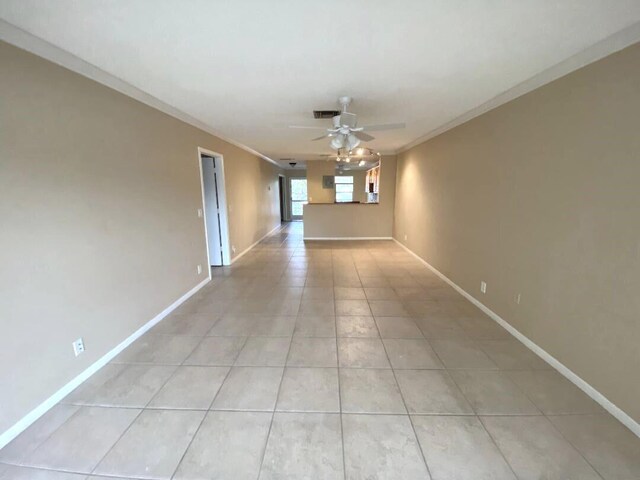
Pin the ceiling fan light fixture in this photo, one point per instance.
(337, 142)
(352, 141)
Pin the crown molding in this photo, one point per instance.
(595, 52)
(29, 42)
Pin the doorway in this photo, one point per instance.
(281, 194)
(298, 197)
(214, 208)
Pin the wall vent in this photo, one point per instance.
(325, 113)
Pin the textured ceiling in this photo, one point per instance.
(247, 69)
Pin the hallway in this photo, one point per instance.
(326, 360)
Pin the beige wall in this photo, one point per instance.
(542, 197)
(315, 171)
(359, 192)
(98, 200)
(356, 220)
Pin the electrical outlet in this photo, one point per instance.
(199, 213)
(78, 346)
(517, 299)
(483, 287)
(405, 236)
(199, 269)
(233, 248)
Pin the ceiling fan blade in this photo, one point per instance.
(319, 138)
(307, 127)
(365, 137)
(379, 128)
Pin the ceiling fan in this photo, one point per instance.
(345, 132)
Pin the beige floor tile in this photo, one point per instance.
(319, 308)
(459, 353)
(440, 328)
(411, 293)
(388, 308)
(512, 355)
(356, 326)
(216, 351)
(309, 390)
(274, 326)
(381, 293)
(411, 353)
(611, 448)
(228, 445)
(362, 353)
(483, 328)
(26, 473)
(134, 386)
(352, 307)
(536, 450)
(374, 281)
(313, 352)
(421, 308)
(234, 326)
(459, 448)
(349, 293)
(25, 443)
(491, 392)
(315, 326)
(264, 352)
(552, 393)
(187, 324)
(159, 349)
(304, 445)
(80, 443)
(318, 293)
(381, 447)
(398, 327)
(153, 445)
(249, 388)
(190, 388)
(83, 393)
(431, 392)
(370, 391)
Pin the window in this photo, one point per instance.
(344, 188)
(298, 196)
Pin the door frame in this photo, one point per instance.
(224, 214)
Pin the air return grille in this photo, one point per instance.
(325, 113)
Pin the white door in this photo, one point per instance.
(210, 175)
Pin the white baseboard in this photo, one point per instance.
(609, 406)
(246, 250)
(50, 402)
(347, 238)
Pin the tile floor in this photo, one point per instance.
(329, 360)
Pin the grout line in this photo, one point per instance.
(413, 428)
(206, 413)
(275, 404)
(338, 370)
